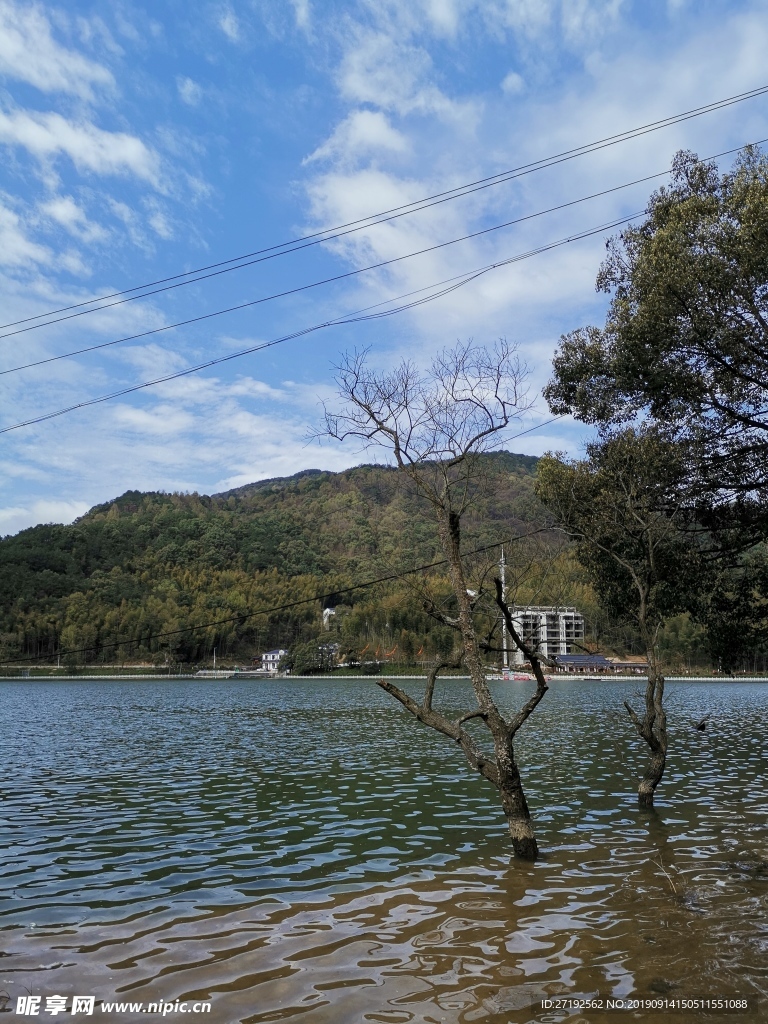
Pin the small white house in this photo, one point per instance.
(271, 660)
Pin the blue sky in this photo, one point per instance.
(139, 142)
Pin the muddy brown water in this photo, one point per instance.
(303, 851)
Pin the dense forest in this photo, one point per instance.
(109, 586)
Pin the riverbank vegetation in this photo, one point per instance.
(148, 563)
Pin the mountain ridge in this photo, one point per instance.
(145, 563)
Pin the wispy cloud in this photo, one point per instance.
(380, 69)
(229, 24)
(16, 247)
(513, 83)
(393, 100)
(302, 12)
(189, 91)
(49, 135)
(66, 212)
(363, 133)
(29, 53)
(17, 517)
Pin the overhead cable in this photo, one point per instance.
(328, 234)
(444, 287)
(317, 284)
(351, 273)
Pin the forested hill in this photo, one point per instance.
(148, 563)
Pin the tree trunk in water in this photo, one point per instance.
(652, 777)
(655, 735)
(515, 805)
(509, 783)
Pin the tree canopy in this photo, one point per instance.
(626, 507)
(685, 339)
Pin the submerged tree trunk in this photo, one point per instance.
(509, 783)
(501, 769)
(436, 423)
(515, 805)
(656, 738)
(653, 729)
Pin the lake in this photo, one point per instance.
(305, 851)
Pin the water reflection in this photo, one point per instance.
(305, 851)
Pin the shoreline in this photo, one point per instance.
(227, 677)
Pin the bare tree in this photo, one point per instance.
(436, 423)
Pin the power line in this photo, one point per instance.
(327, 280)
(243, 616)
(328, 234)
(354, 273)
(445, 287)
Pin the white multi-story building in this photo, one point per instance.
(271, 660)
(549, 630)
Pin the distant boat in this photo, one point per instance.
(514, 677)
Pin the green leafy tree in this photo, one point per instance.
(736, 614)
(685, 341)
(627, 506)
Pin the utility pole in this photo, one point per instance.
(502, 573)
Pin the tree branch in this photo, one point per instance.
(475, 757)
(533, 657)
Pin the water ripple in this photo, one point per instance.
(304, 850)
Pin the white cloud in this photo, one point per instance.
(578, 23)
(160, 225)
(16, 249)
(129, 218)
(302, 12)
(619, 90)
(18, 517)
(65, 211)
(90, 148)
(160, 421)
(380, 70)
(229, 24)
(29, 53)
(363, 132)
(94, 33)
(71, 261)
(444, 15)
(513, 84)
(198, 433)
(159, 219)
(189, 91)
(585, 20)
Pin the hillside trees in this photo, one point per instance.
(436, 423)
(149, 563)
